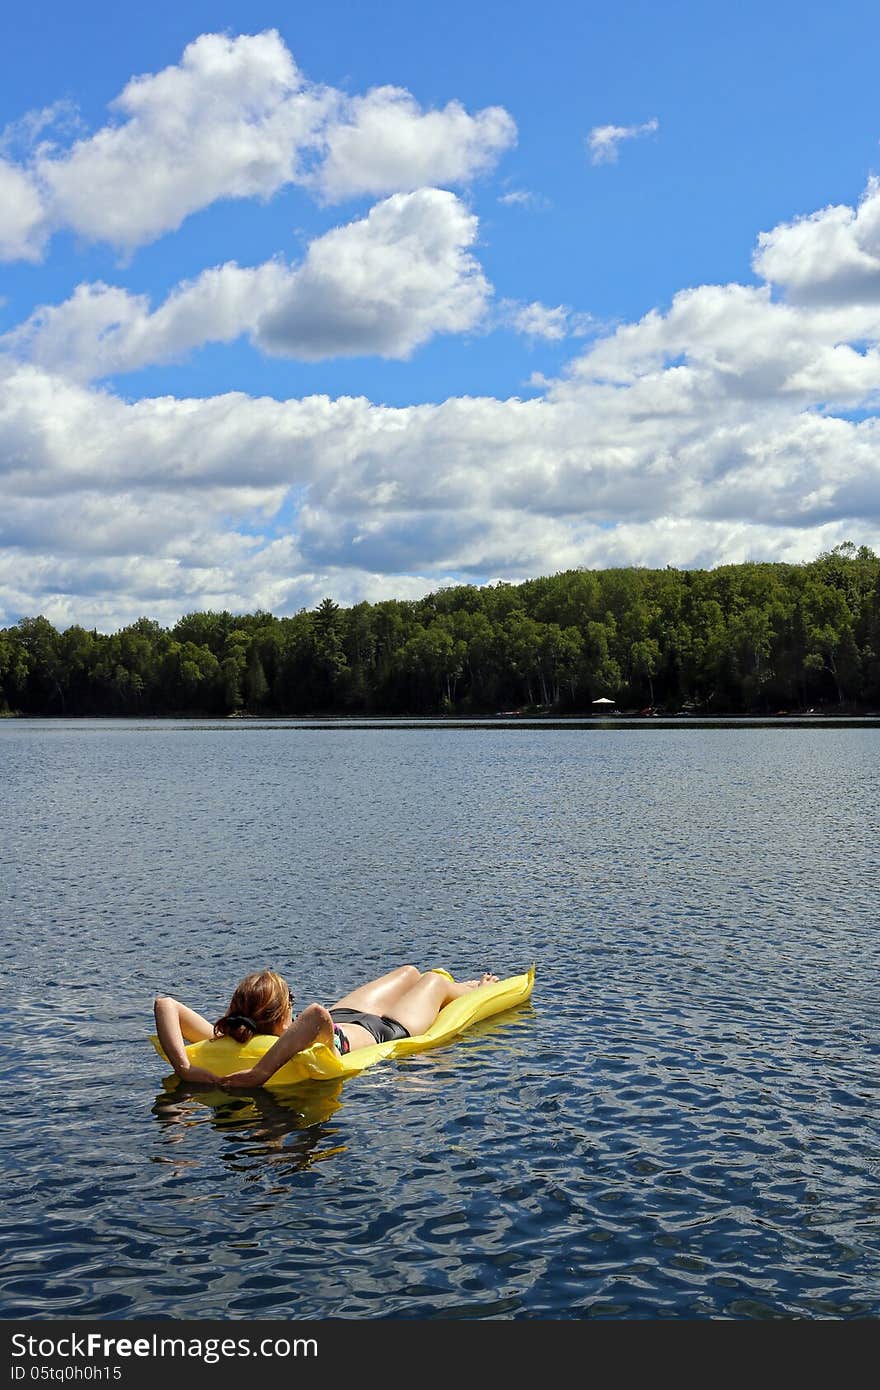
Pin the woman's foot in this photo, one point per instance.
(486, 979)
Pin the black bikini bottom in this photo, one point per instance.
(382, 1029)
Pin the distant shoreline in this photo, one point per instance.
(602, 722)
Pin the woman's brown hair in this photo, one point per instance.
(258, 1004)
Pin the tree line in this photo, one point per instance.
(747, 638)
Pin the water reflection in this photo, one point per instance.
(287, 1125)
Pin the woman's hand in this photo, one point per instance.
(198, 1076)
(239, 1080)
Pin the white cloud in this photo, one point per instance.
(20, 136)
(733, 343)
(665, 469)
(232, 120)
(22, 223)
(236, 119)
(383, 141)
(603, 140)
(830, 257)
(383, 284)
(703, 434)
(103, 329)
(536, 320)
(523, 198)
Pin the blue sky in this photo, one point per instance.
(591, 286)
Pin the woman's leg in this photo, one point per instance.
(413, 1001)
(418, 1006)
(409, 996)
(377, 996)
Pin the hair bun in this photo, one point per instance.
(239, 1021)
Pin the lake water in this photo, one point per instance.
(683, 1123)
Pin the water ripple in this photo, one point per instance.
(682, 1124)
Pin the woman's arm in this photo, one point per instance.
(313, 1025)
(176, 1024)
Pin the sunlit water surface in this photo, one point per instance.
(685, 1121)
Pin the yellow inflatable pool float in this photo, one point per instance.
(320, 1063)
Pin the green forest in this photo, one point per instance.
(739, 639)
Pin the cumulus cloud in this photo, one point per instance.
(830, 257)
(236, 118)
(603, 140)
(383, 141)
(536, 320)
(103, 330)
(384, 284)
(233, 120)
(540, 321)
(735, 343)
(737, 423)
(663, 469)
(23, 229)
